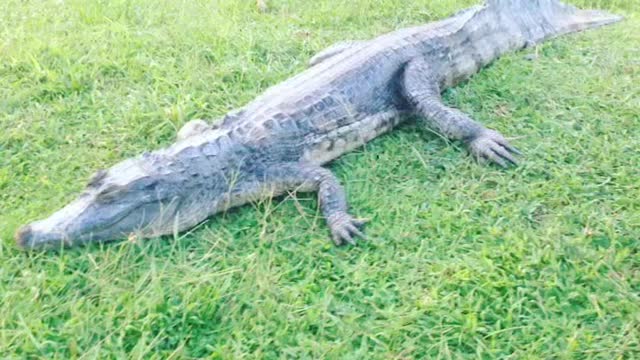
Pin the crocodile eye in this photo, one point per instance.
(97, 179)
(110, 192)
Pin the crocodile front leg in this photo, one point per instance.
(422, 91)
(193, 127)
(331, 196)
(332, 51)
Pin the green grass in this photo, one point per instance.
(465, 261)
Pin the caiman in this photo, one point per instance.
(352, 92)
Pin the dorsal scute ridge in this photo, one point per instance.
(528, 4)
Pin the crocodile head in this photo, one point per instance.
(150, 195)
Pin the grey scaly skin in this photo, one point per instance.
(352, 93)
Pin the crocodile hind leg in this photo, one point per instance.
(331, 196)
(332, 50)
(422, 91)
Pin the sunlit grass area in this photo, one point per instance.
(464, 260)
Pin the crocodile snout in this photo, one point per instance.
(30, 237)
(24, 237)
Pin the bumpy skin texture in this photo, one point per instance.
(352, 92)
(332, 50)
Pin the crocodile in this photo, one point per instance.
(351, 93)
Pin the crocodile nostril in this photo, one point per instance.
(24, 236)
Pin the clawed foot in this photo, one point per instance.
(491, 146)
(344, 228)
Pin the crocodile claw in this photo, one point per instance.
(491, 146)
(345, 229)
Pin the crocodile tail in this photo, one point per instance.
(550, 18)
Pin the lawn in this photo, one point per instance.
(464, 260)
